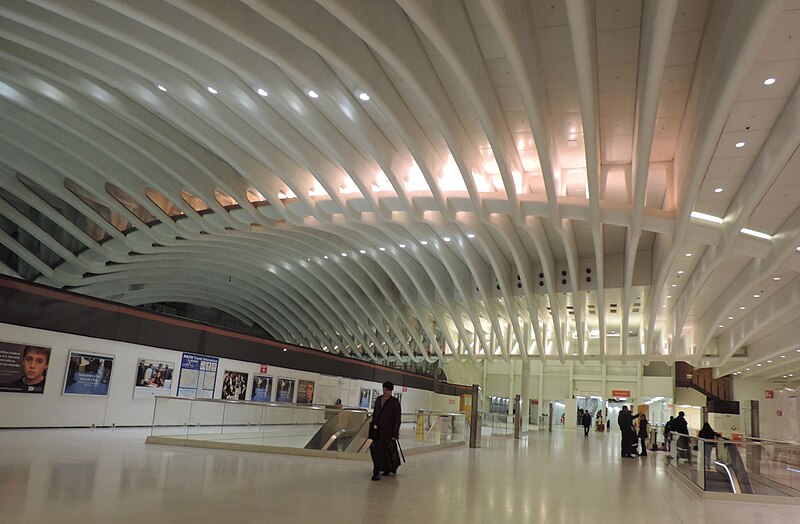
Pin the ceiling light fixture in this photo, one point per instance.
(769, 362)
(754, 233)
(470, 235)
(446, 239)
(363, 96)
(344, 254)
(730, 318)
(423, 242)
(740, 145)
(742, 307)
(718, 190)
(776, 278)
(401, 245)
(326, 257)
(769, 81)
(161, 87)
(680, 272)
(721, 326)
(312, 93)
(708, 218)
(363, 252)
(212, 90)
(382, 249)
(758, 365)
(262, 92)
(756, 296)
(688, 254)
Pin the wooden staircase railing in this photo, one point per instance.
(702, 380)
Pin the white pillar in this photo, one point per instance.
(525, 393)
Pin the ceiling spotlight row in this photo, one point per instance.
(400, 245)
(362, 95)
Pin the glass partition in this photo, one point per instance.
(243, 424)
(743, 467)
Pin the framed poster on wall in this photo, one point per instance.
(23, 368)
(262, 388)
(285, 391)
(88, 374)
(305, 391)
(153, 378)
(198, 375)
(363, 401)
(234, 385)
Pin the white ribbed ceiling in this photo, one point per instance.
(418, 179)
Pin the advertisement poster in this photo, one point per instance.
(285, 392)
(364, 400)
(23, 368)
(305, 392)
(198, 375)
(234, 385)
(262, 388)
(88, 374)
(153, 378)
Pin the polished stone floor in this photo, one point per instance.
(81, 476)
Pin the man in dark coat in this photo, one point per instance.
(625, 422)
(681, 427)
(384, 426)
(587, 422)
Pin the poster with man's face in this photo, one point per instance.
(305, 392)
(23, 368)
(153, 378)
(364, 399)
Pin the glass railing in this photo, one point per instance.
(243, 425)
(760, 468)
(500, 424)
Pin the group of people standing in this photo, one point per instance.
(634, 428)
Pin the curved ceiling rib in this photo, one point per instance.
(401, 180)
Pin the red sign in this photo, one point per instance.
(405, 389)
(768, 393)
(620, 393)
(737, 437)
(264, 368)
(534, 402)
(452, 401)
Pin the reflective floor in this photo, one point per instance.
(67, 476)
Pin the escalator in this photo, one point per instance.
(346, 430)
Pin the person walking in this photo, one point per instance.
(587, 422)
(643, 434)
(681, 428)
(625, 423)
(384, 426)
(708, 433)
(667, 433)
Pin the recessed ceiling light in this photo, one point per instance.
(759, 365)
(783, 356)
(740, 145)
(161, 87)
(769, 81)
(401, 245)
(312, 93)
(423, 242)
(446, 239)
(718, 190)
(363, 96)
(212, 90)
(262, 92)
(669, 296)
(769, 362)
(309, 260)
(748, 369)
(721, 325)
(730, 318)
(664, 305)
(756, 296)
(326, 257)
(688, 254)
(776, 278)
(382, 248)
(470, 235)
(680, 272)
(674, 285)
(285, 349)
(363, 252)
(741, 307)
(344, 254)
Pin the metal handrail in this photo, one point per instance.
(333, 438)
(284, 405)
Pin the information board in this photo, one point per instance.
(198, 375)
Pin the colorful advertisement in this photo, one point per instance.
(88, 374)
(285, 392)
(305, 392)
(23, 368)
(262, 388)
(153, 378)
(198, 376)
(234, 385)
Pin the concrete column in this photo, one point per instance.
(542, 409)
(511, 369)
(525, 393)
